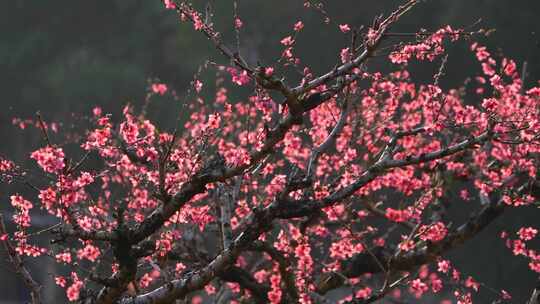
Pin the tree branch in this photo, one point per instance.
(368, 52)
(261, 220)
(18, 263)
(284, 267)
(535, 296)
(245, 280)
(365, 263)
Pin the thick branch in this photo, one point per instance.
(124, 256)
(303, 208)
(260, 221)
(366, 263)
(225, 201)
(86, 235)
(198, 183)
(18, 263)
(328, 142)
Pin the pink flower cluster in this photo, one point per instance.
(64, 257)
(89, 252)
(344, 28)
(397, 215)
(519, 246)
(274, 295)
(100, 137)
(169, 4)
(429, 48)
(345, 248)
(527, 234)
(130, 131)
(25, 249)
(74, 290)
(298, 26)
(159, 88)
(238, 23)
(22, 217)
(148, 278)
(50, 159)
(6, 165)
(239, 78)
(434, 232)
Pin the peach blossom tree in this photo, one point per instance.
(322, 189)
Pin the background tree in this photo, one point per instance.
(318, 186)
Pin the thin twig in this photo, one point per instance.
(43, 129)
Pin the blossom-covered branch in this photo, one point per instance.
(19, 265)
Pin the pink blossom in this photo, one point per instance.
(152, 178)
(214, 121)
(418, 287)
(6, 165)
(344, 28)
(64, 257)
(73, 291)
(287, 53)
(198, 23)
(198, 86)
(372, 35)
(481, 52)
(60, 281)
(509, 67)
(443, 266)
(238, 23)
(22, 217)
(364, 293)
(345, 55)
(527, 234)
(146, 280)
(129, 131)
(436, 283)
(471, 283)
(89, 252)
(159, 88)
(180, 267)
(85, 179)
(287, 41)
(239, 78)
(518, 247)
(298, 26)
(463, 298)
(397, 215)
(97, 111)
(535, 265)
(274, 295)
(268, 71)
(210, 289)
(169, 4)
(488, 69)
